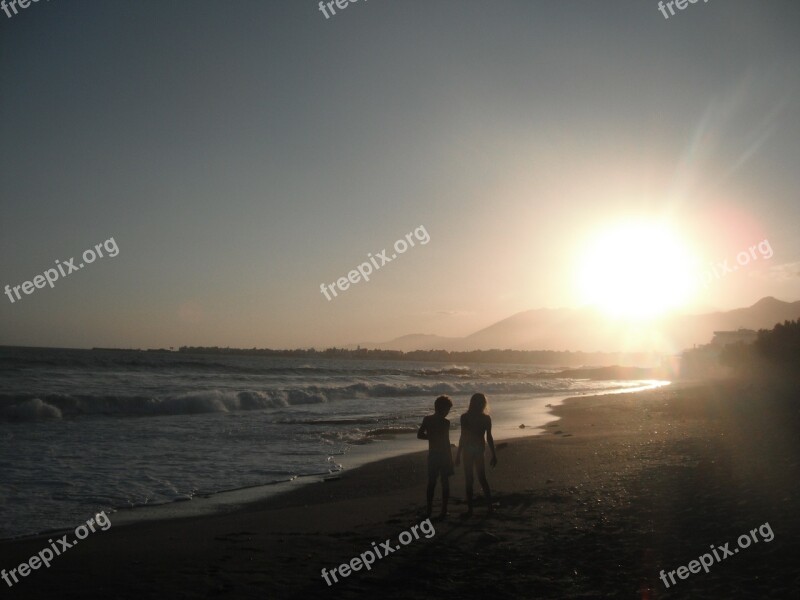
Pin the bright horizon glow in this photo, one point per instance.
(637, 270)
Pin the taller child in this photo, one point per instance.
(475, 423)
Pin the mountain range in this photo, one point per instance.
(587, 330)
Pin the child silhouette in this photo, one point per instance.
(436, 429)
(474, 424)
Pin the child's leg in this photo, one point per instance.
(431, 489)
(480, 466)
(469, 479)
(445, 493)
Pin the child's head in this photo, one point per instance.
(478, 404)
(442, 405)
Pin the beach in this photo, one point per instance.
(618, 489)
(88, 430)
(253, 254)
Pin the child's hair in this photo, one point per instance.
(441, 403)
(478, 404)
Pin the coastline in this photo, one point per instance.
(619, 488)
(509, 413)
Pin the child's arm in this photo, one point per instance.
(460, 439)
(490, 440)
(422, 434)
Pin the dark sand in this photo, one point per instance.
(618, 489)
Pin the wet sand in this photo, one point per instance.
(618, 489)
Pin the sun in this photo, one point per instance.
(636, 269)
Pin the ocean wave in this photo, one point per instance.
(390, 430)
(31, 407)
(178, 364)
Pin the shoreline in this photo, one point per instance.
(619, 488)
(358, 456)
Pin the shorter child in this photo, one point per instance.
(436, 429)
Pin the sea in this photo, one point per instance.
(132, 432)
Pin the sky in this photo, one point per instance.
(243, 153)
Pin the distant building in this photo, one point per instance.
(703, 361)
(723, 338)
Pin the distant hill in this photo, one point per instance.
(413, 341)
(764, 314)
(552, 329)
(588, 331)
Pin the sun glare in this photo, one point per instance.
(636, 270)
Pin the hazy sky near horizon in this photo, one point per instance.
(242, 153)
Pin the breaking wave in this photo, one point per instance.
(29, 407)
